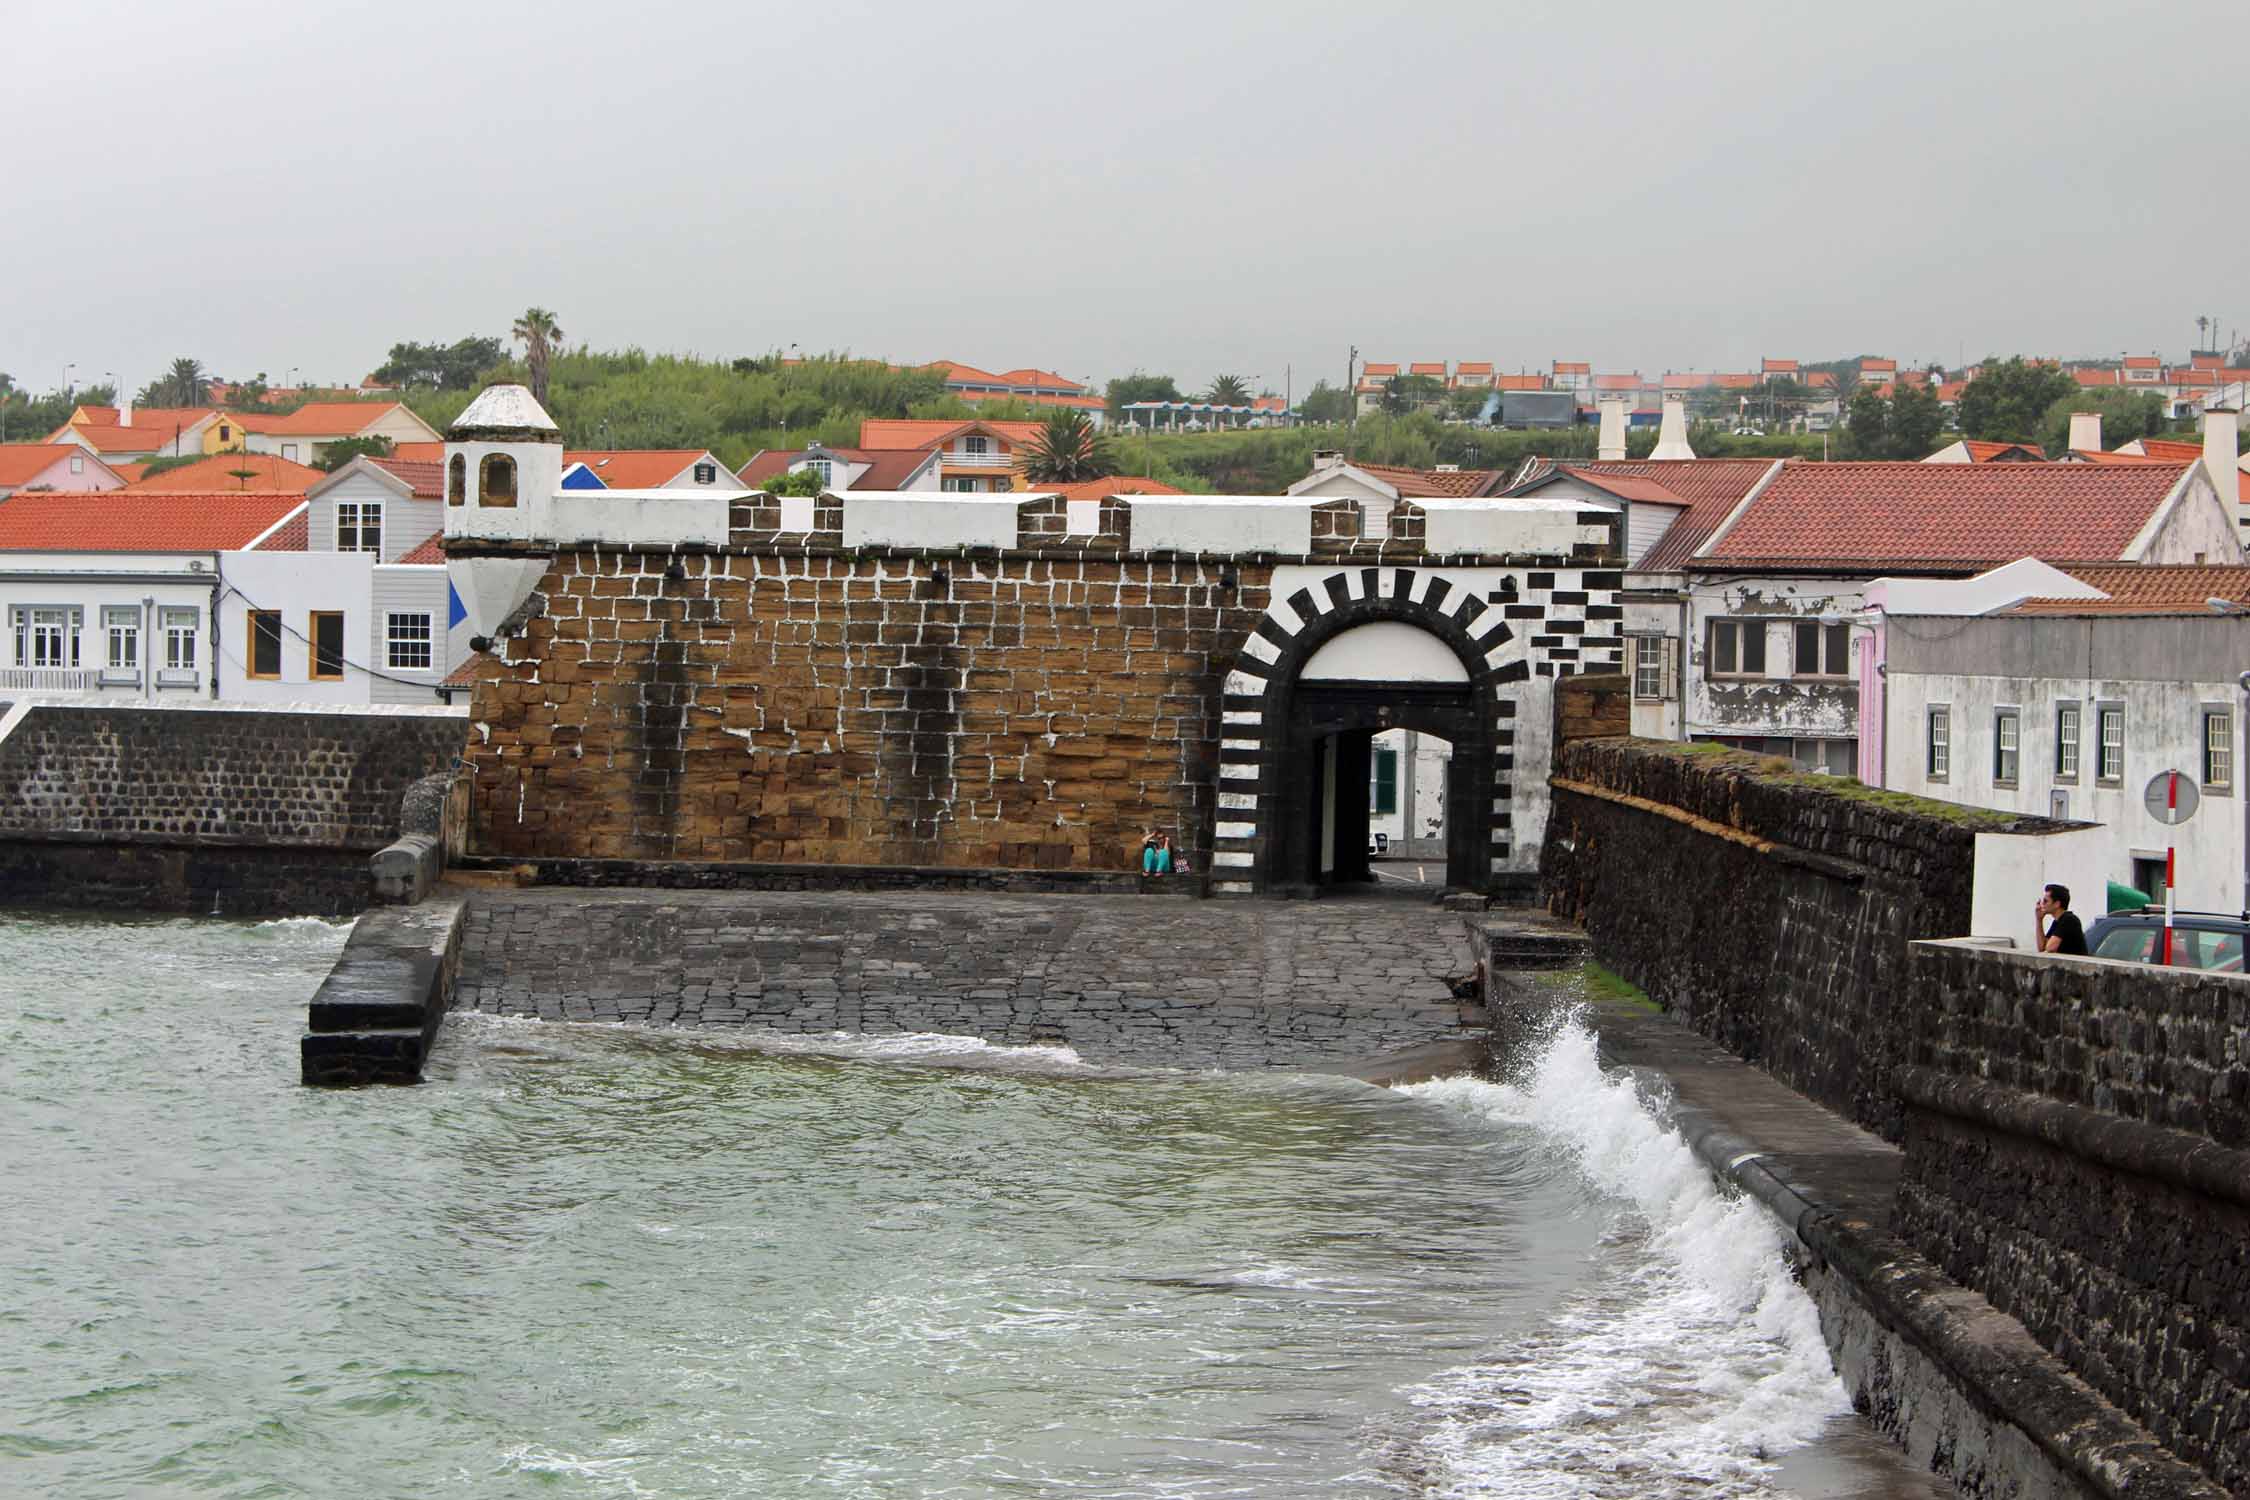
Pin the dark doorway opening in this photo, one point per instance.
(1327, 781)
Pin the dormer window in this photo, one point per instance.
(456, 480)
(496, 480)
(706, 473)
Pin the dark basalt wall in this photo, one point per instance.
(1792, 955)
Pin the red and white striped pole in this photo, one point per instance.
(2171, 852)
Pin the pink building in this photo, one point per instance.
(54, 466)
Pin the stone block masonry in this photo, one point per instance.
(249, 811)
(1118, 978)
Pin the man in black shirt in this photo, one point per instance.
(2056, 926)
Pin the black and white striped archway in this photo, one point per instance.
(1263, 773)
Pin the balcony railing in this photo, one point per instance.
(961, 460)
(50, 679)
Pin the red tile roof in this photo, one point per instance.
(426, 476)
(20, 463)
(1634, 487)
(1981, 452)
(1433, 483)
(1617, 382)
(636, 468)
(1710, 487)
(468, 673)
(1821, 380)
(1573, 367)
(1102, 489)
(887, 469)
(421, 452)
(293, 535)
(2143, 589)
(2143, 362)
(1427, 367)
(2094, 377)
(1896, 517)
(128, 470)
(2168, 448)
(1043, 398)
(431, 549)
(1473, 367)
(913, 432)
(1778, 366)
(316, 419)
(1371, 368)
(268, 472)
(1878, 366)
(1521, 382)
(162, 418)
(122, 521)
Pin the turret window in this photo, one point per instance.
(456, 480)
(496, 480)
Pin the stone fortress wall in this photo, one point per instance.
(2075, 1132)
(967, 682)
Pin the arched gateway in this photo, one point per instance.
(1341, 655)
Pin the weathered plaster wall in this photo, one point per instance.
(1780, 703)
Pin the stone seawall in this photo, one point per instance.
(242, 809)
(1132, 979)
(1771, 914)
(2075, 1136)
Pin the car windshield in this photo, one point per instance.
(2192, 947)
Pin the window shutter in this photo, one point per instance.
(1669, 687)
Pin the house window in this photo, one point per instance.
(359, 526)
(1823, 650)
(180, 627)
(409, 642)
(961, 486)
(265, 643)
(226, 433)
(78, 463)
(1382, 782)
(2218, 749)
(824, 468)
(496, 480)
(1738, 648)
(709, 474)
(47, 636)
(456, 479)
(121, 637)
(2007, 746)
(289, 452)
(2109, 723)
(1939, 739)
(1648, 666)
(2066, 742)
(976, 445)
(327, 659)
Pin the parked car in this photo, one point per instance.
(2200, 939)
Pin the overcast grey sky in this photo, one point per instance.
(1180, 187)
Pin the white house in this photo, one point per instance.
(303, 434)
(2075, 709)
(1379, 487)
(842, 470)
(647, 469)
(121, 434)
(1754, 637)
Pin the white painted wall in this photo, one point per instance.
(296, 584)
(140, 584)
(407, 522)
(2012, 870)
(1224, 524)
(1524, 525)
(1417, 824)
(1385, 651)
(888, 518)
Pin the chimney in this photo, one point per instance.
(1671, 437)
(1612, 445)
(1326, 458)
(2085, 432)
(124, 411)
(2220, 424)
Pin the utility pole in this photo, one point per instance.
(1351, 399)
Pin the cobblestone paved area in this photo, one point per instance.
(1139, 979)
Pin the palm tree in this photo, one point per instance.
(1067, 449)
(1228, 390)
(540, 335)
(183, 385)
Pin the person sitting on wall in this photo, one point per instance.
(2055, 925)
(1156, 853)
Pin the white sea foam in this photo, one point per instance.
(303, 929)
(1693, 1361)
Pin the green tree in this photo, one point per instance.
(2006, 402)
(2126, 415)
(539, 334)
(1228, 390)
(800, 482)
(1466, 404)
(1326, 403)
(1867, 425)
(183, 385)
(446, 367)
(1916, 419)
(334, 456)
(1068, 448)
(1140, 387)
(1408, 393)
